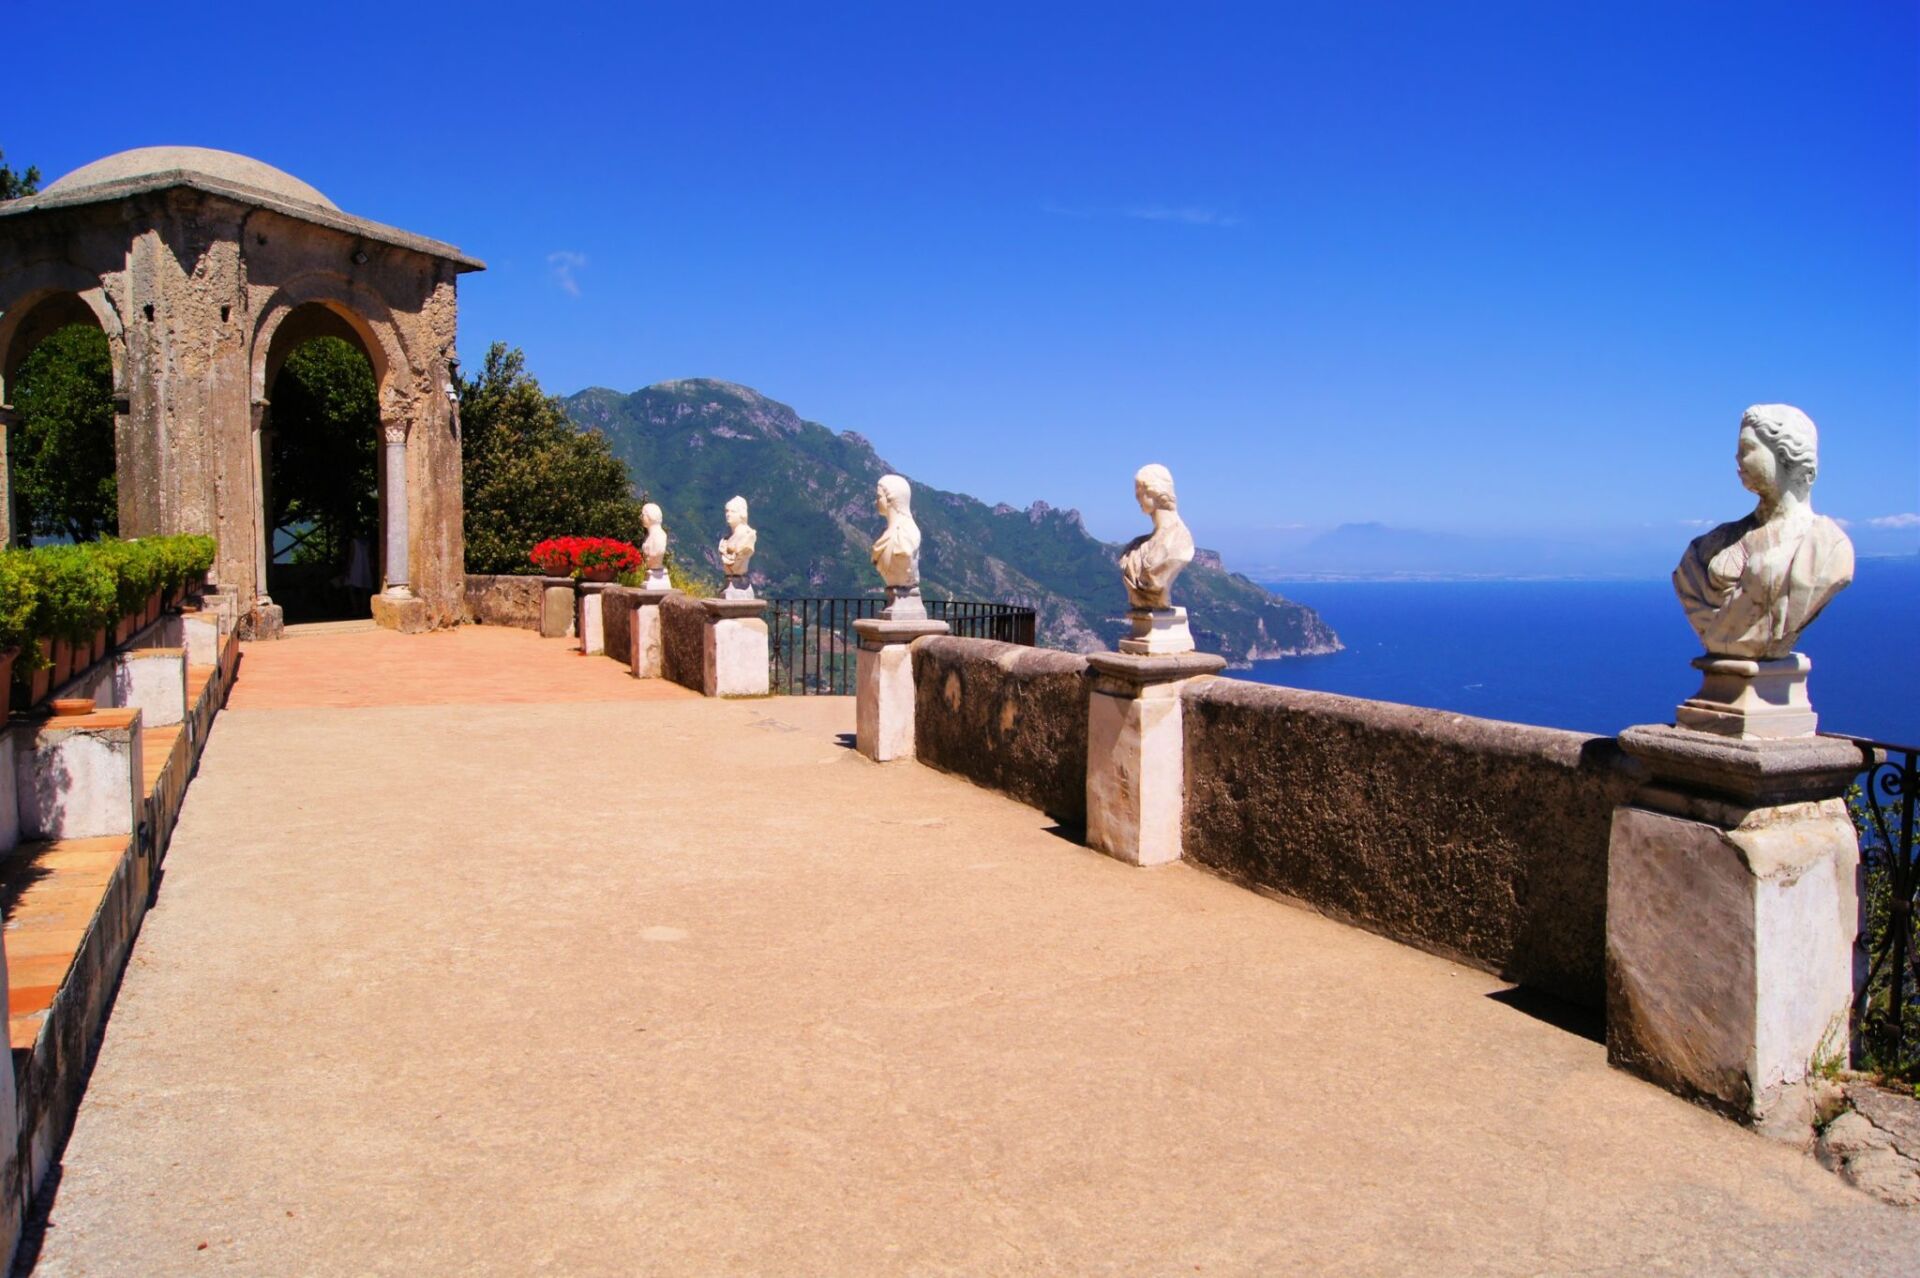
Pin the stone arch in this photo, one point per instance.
(52, 295)
(364, 313)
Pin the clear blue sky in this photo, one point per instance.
(1509, 266)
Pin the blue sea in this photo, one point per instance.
(1596, 656)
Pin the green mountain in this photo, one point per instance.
(692, 444)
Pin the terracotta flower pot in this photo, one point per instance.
(123, 629)
(66, 707)
(62, 661)
(6, 673)
(599, 572)
(36, 686)
(153, 607)
(100, 644)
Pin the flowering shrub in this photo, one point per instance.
(69, 592)
(583, 556)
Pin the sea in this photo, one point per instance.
(1595, 656)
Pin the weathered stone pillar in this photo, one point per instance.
(590, 607)
(1136, 753)
(648, 657)
(397, 579)
(1732, 907)
(883, 683)
(263, 530)
(734, 651)
(557, 612)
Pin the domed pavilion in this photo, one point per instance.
(205, 270)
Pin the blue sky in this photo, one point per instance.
(1486, 267)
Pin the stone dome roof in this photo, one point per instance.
(226, 166)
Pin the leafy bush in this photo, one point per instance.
(19, 595)
(78, 593)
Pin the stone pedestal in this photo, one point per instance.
(734, 651)
(1732, 910)
(1739, 697)
(263, 621)
(883, 684)
(404, 613)
(556, 607)
(79, 776)
(588, 614)
(154, 682)
(904, 604)
(1157, 632)
(648, 658)
(1136, 761)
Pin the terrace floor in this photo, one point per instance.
(475, 956)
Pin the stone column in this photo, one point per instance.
(883, 682)
(1136, 753)
(7, 520)
(1732, 908)
(734, 654)
(263, 543)
(557, 610)
(648, 658)
(398, 580)
(396, 607)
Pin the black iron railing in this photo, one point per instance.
(811, 644)
(1886, 1006)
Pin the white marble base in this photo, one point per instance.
(904, 604)
(657, 581)
(883, 685)
(1157, 632)
(735, 651)
(738, 588)
(79, 777)
(1730, 949)
(1136, 754)
(154, 682)
(1739, 697)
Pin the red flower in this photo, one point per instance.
(573, 556)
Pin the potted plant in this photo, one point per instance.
(585, 558)
(77, 598)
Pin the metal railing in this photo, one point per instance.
(1886, 1005)
(811, 645)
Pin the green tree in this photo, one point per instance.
(530, 473)
(62, 442)
(14, 185)
(326, 430)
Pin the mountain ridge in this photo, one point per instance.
(691, 443)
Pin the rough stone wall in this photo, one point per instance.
(616, 622)
(683, 638)
(1480, 840)
(1005, 716)
(504, 600)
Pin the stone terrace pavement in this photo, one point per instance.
(474, 956)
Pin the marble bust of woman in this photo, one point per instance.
(1150, 563)
(736, 549)
(1751, 586)
(653, 548)
(896, 552)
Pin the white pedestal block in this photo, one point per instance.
(649, 643)
(78, 777)
(883, 685)
(1136, 753)
(1157, 632)
(735, 650)
(1731, 914)
(154, 682)
(1739, 697)
(590, 623)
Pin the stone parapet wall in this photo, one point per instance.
(1480, 840)
(1005, 716)
(617, 604)
(683, 635)
(504, 600)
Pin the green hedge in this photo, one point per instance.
(70, 592)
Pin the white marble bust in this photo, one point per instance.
(1151, 563)
(1751, 586)
(736, 549)
(653, 548)
(896, 553)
